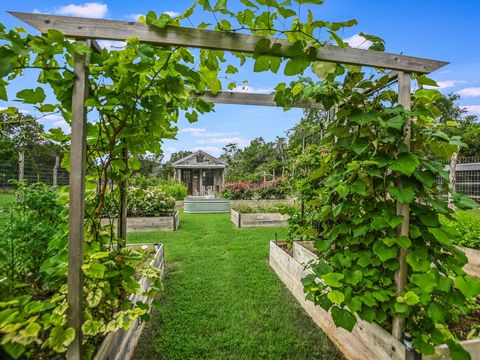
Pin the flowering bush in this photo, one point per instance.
(246, 190)
(149, 202)
(170, 187)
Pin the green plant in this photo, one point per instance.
(33, 269)
(351, 198)
(277, 208)
(149, 202)
(174, 189)
(467, 224)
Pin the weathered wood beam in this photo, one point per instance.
(238, 98)
(76, 210)
(404, 99)
(83, 28)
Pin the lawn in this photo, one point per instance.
(5, 199)
(222, 300)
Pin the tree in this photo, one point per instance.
(468, 127)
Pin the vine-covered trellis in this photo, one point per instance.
(268, 53)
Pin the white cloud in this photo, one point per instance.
(133, 17)
(171, 13)
(93, 10)
(202, 132)
(473, 109)
(358, 41)
(222, 140)
(111, 44)
(449, 83)
(469, 92)
(61, 124)
(52, 117)
(254, 90)
(446, 84)
(212, 150)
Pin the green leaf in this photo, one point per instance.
(296, 65)
(336, 297)
(383, 251)
(406, 163)
(405, 195)
(440, 235)
(342, 191)
(14, 350)
(418, 259)
(396, 122)
(411, 298)
(262, 63)
(457, 352)
(322, 69)
(332, 279)
(360, 145)
(221, 4)
(343, 318)
(435, 312)
(426, 282)
(468, 286)
(30, 96)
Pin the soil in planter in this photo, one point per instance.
(468, 326)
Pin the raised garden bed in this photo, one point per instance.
(473, 266)
(258, 219)
(150, 223)
(120, 345)
(202, 205)
(366, 341)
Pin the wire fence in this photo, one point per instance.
(43, 173)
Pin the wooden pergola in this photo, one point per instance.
(89, 30)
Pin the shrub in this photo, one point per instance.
(174, 189)
(467, 223)
(33, 281)
(171, 187)
(277, 208)
(240, 190)
(149, 202)
(246, 190)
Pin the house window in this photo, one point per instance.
(200, 158)
(208, 178)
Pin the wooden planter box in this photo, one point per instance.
(473, 266)
(120, 345)
(154, 223)
(258, 219)
(366, 341)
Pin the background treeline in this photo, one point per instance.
(259, 161)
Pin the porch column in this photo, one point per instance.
(200, 174)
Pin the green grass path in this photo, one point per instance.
(222, 300)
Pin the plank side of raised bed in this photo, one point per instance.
(121, 344)
(473, 266)
(366, 341)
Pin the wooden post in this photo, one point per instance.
(76, 213)
(122, 211)
(55, 171)
(21, 165)
(453, 179)
(401, 274)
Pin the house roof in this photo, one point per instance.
(219, 163)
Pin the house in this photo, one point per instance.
(202, 173)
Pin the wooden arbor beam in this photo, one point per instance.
(84, 28)
(238, 98)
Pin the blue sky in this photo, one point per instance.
(437, 29)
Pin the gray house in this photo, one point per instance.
(202, 173)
